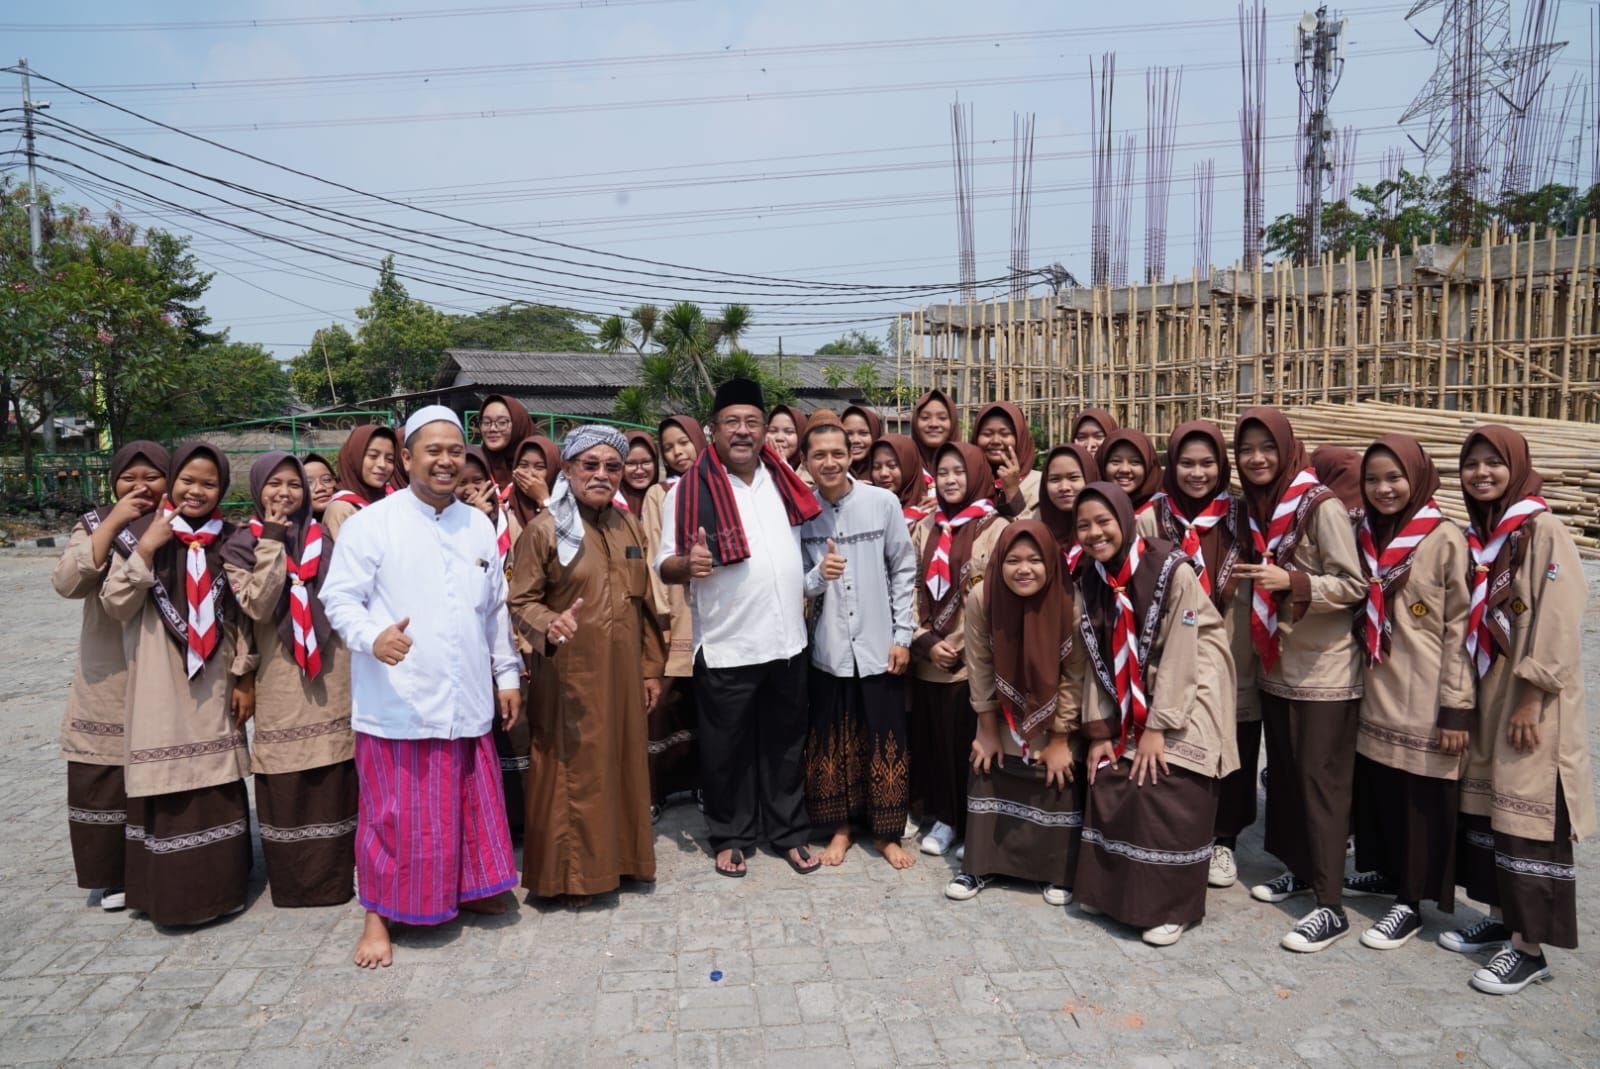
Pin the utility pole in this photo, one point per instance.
(1319, 44)
(35, 235)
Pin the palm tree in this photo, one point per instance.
(685, 335)
(612, 335)
(734, 322)
(645, 317)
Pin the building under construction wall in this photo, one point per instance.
(1509, 327)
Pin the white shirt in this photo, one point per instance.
(400, 558)
(751, 612)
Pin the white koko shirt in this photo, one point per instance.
(751, 612)
(400, 558)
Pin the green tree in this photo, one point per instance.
(331, 372)
(226, 382)
(402, 339)
(687, 365)
(855, 343)
(529, 327)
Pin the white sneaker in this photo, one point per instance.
(965, 886)
(912, 830)
(1055, 894)
(1224, 871)
(113, 899)
(961, 852)
(937, 841)
(1090, 910)
(1163, 935)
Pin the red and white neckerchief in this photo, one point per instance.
(307, 654)
(1149, 503)
(620, 502)
(1378, 565)
(1215, 512)
(1128, 672)
(1263, 607)
(349, 495)
(1480, 642)
(938, 577)
(1073, 556)
(202, 616)
(915, 513)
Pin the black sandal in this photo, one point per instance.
(736, 857)
(805, 855)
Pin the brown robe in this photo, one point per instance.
(1518, 791)
(92, 729)
(588, 819)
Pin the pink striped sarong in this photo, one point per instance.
(432, 827)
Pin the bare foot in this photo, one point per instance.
(833, 853)
(895, 855)
(374, 948)
(492, 906)
(726, 860)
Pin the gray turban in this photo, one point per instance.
(580, 440)
(563, 504)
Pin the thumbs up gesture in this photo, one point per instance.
(392, 643)
(700, 556)
(563, 627)
(832, 564)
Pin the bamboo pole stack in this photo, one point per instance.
(1567, 454)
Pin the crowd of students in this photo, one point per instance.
(1062, 672)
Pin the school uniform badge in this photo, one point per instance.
(1552, 572)
(1518, 606)
(1418, 609)
(1190, 618)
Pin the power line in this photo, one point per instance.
(321, 20)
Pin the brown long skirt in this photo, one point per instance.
(189, 854)
(1406, 829)
(308, 834)
(97, 817)
(1311, 749)
(857, 771)
(1147, 850)
(940, 730)
(1018, 826)
(1236, 792)
(674, 760)
(513, 748)
(1533, 882)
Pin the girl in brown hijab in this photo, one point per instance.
(1338, 468)
(897, 468)
(933, 423)
(190, 690)
(1157, 695)
(1527, 792)
(1305, 576)
(1195, 511)
(1024, 791)
(503, 425)
(93, 728)
(367, 460)
(1128, 458)
(321, 482)
(535, 466)
(1067, 470)
(1002, 432)
(786, 429)
(303, 755)
(640, 471)
(1090, 427)
(962, 530)
(862, 427)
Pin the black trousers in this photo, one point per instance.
(753, 722)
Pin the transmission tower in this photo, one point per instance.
(1318, 66)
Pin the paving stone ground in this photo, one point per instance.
(858, 966)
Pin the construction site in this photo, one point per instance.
(1428, 339)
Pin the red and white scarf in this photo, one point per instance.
(350, 496)
(1215, 512)
(307, 654)
(1480, 639)
(938, 577)
(1396, 554)
(202, 616)
(1128, 673)
(1263, 606)
(915, 514)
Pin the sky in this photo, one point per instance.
(600, 155)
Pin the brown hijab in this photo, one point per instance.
(1485, 516)
(1261, 501)
(1338, 468)
(912, 491)
(1219, 544)
(399, 478)
(800, 422)
(524, 507)
(1064, 525)
(1030, 636)
(1019, 426)
(168, 564)
(123, 459)
(1141, 443)
(689, 426)
(316, 458)
(635, 498)
(863, 468)
(350, 457)
(1101, 416)
(1421, 476)
(940, 615)
(929, 453)
(522, 428)
(240, 550)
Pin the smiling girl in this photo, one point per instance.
(1002, 432)
(367, 461)
(1128, 458)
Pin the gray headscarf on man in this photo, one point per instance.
(563, 505)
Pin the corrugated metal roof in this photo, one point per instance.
(610, 371)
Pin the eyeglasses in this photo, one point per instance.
(734, 423)
(324, 480)
(640, 464)
(589, 467)
(495, 424)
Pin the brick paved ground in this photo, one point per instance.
(860, 966)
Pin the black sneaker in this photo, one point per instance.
(1510, 971)
(655, 814)
(1367, 883)
(1317, 930)
(1486, 934)
(964, 886)
(1394, 930)
(1286, 886)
